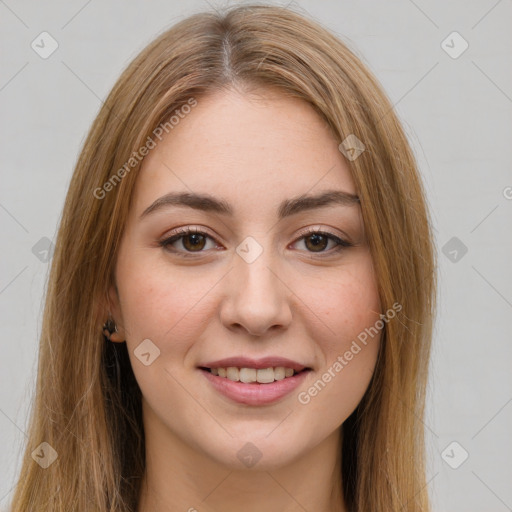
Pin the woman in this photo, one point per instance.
(240, 304)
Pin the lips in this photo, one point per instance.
(250, 391)
(254, 394)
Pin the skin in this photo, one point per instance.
(252, 150)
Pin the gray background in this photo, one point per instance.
(457, 113)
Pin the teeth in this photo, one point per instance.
(232, 373)
(280, 373)
(249, 375)
(265, 375)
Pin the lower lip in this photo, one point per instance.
(255, 393)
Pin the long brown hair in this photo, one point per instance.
(87, 402)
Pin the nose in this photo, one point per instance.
(256, 298)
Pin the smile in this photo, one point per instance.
(241, 385)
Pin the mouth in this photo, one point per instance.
(255, 386)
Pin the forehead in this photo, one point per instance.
(247, 148)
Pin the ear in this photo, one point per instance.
(113, 305)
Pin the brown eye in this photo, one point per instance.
(187, 241)
(316, 242)
(194, 242)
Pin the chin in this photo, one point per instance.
(256, 453)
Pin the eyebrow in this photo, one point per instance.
(208, 203)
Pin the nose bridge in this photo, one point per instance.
(253, 264)
(255, 272)
(257, 298)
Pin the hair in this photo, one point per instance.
(87, 403)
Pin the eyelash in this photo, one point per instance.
(183, 232)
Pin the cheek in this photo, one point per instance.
(347, 309)
(343, 304)
(160, 304)
(167, 308)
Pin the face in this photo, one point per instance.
(260, 281)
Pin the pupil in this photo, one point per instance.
(317, 241)
(196, 241)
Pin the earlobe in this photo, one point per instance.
(116, 337)
(112, 332)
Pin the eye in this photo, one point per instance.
(191, 240)
(317, 241)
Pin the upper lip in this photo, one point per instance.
(247, 362)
